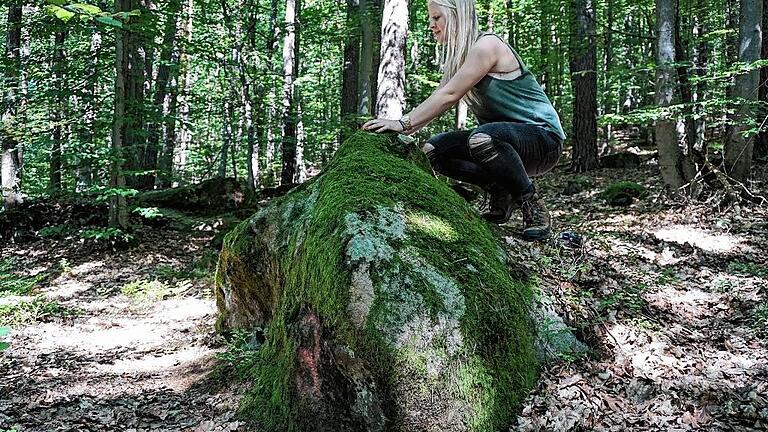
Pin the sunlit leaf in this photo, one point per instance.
(4, 331)
(108, 20)
(59, 12)
(86, 8)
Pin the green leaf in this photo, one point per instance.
(4, 345)
(108, 20)
(59, 12)
(4, 331)
(86, 8)
(56, 2)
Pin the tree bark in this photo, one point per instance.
(184, 90)
(159, 102)
(57, 65)
(364, 89)
(695, 159)
(584, 78)
(738, 148)
(390, 100)
(11, 163)
(671, 158)
(290, 68)
(349, 74)
(118, 209)
(761, 141)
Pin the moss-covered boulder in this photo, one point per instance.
(380, 300)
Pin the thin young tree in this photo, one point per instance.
(738, 147)
(11, 155)
(349, 73)
(290, 68)
(59, 102)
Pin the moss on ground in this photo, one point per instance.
(377, 209)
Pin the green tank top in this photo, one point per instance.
(519, 100)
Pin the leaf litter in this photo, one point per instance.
(670, 298)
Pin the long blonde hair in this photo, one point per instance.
(461, 30)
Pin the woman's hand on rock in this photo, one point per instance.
(383, 125)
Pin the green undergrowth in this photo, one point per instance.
(630, 189)
(369, 180)
(14, 284)
(38, 309)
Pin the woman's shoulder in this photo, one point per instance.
(489, 42)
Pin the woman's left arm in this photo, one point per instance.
(480, 60)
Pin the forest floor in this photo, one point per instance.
(672, 300)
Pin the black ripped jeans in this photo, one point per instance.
(504, 152)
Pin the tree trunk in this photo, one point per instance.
(461, 115)
(349, 74)
(364, 89)
(185, 89)
(761, 141)
(229, 112)
(274, 116)
(85, 162)
(11, 163)
(584, 78)
(671, 158)
(700, 60)
(695, 159)
(390, 100)
(738, 148)
(57, 66)
(608, 60)
(159, 102)
(118, 209)
(290, 68)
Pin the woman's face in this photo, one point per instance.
(437, 22)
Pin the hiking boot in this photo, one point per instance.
(536, 223)
(500, 204)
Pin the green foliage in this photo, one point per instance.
(623, 188)
(13, 284)
(4, 331)
(38, 309)
(55, 231)
(668, 276)
(149, 212)
(241, 352)
(629, 297)
(146, 291)
(760, 319)
(114, 237)
(747, 268)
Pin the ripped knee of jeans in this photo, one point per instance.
(481, 148)
(429, 150)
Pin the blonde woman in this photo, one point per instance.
(520, 134)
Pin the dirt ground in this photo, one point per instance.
(672, 300)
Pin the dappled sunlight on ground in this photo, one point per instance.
(700, 238)
(124, 360)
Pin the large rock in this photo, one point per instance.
(383, 302)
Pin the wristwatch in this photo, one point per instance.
(405, 122)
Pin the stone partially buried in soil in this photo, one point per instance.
(385, 302)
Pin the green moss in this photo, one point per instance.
(424, 249)
(624, 187)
